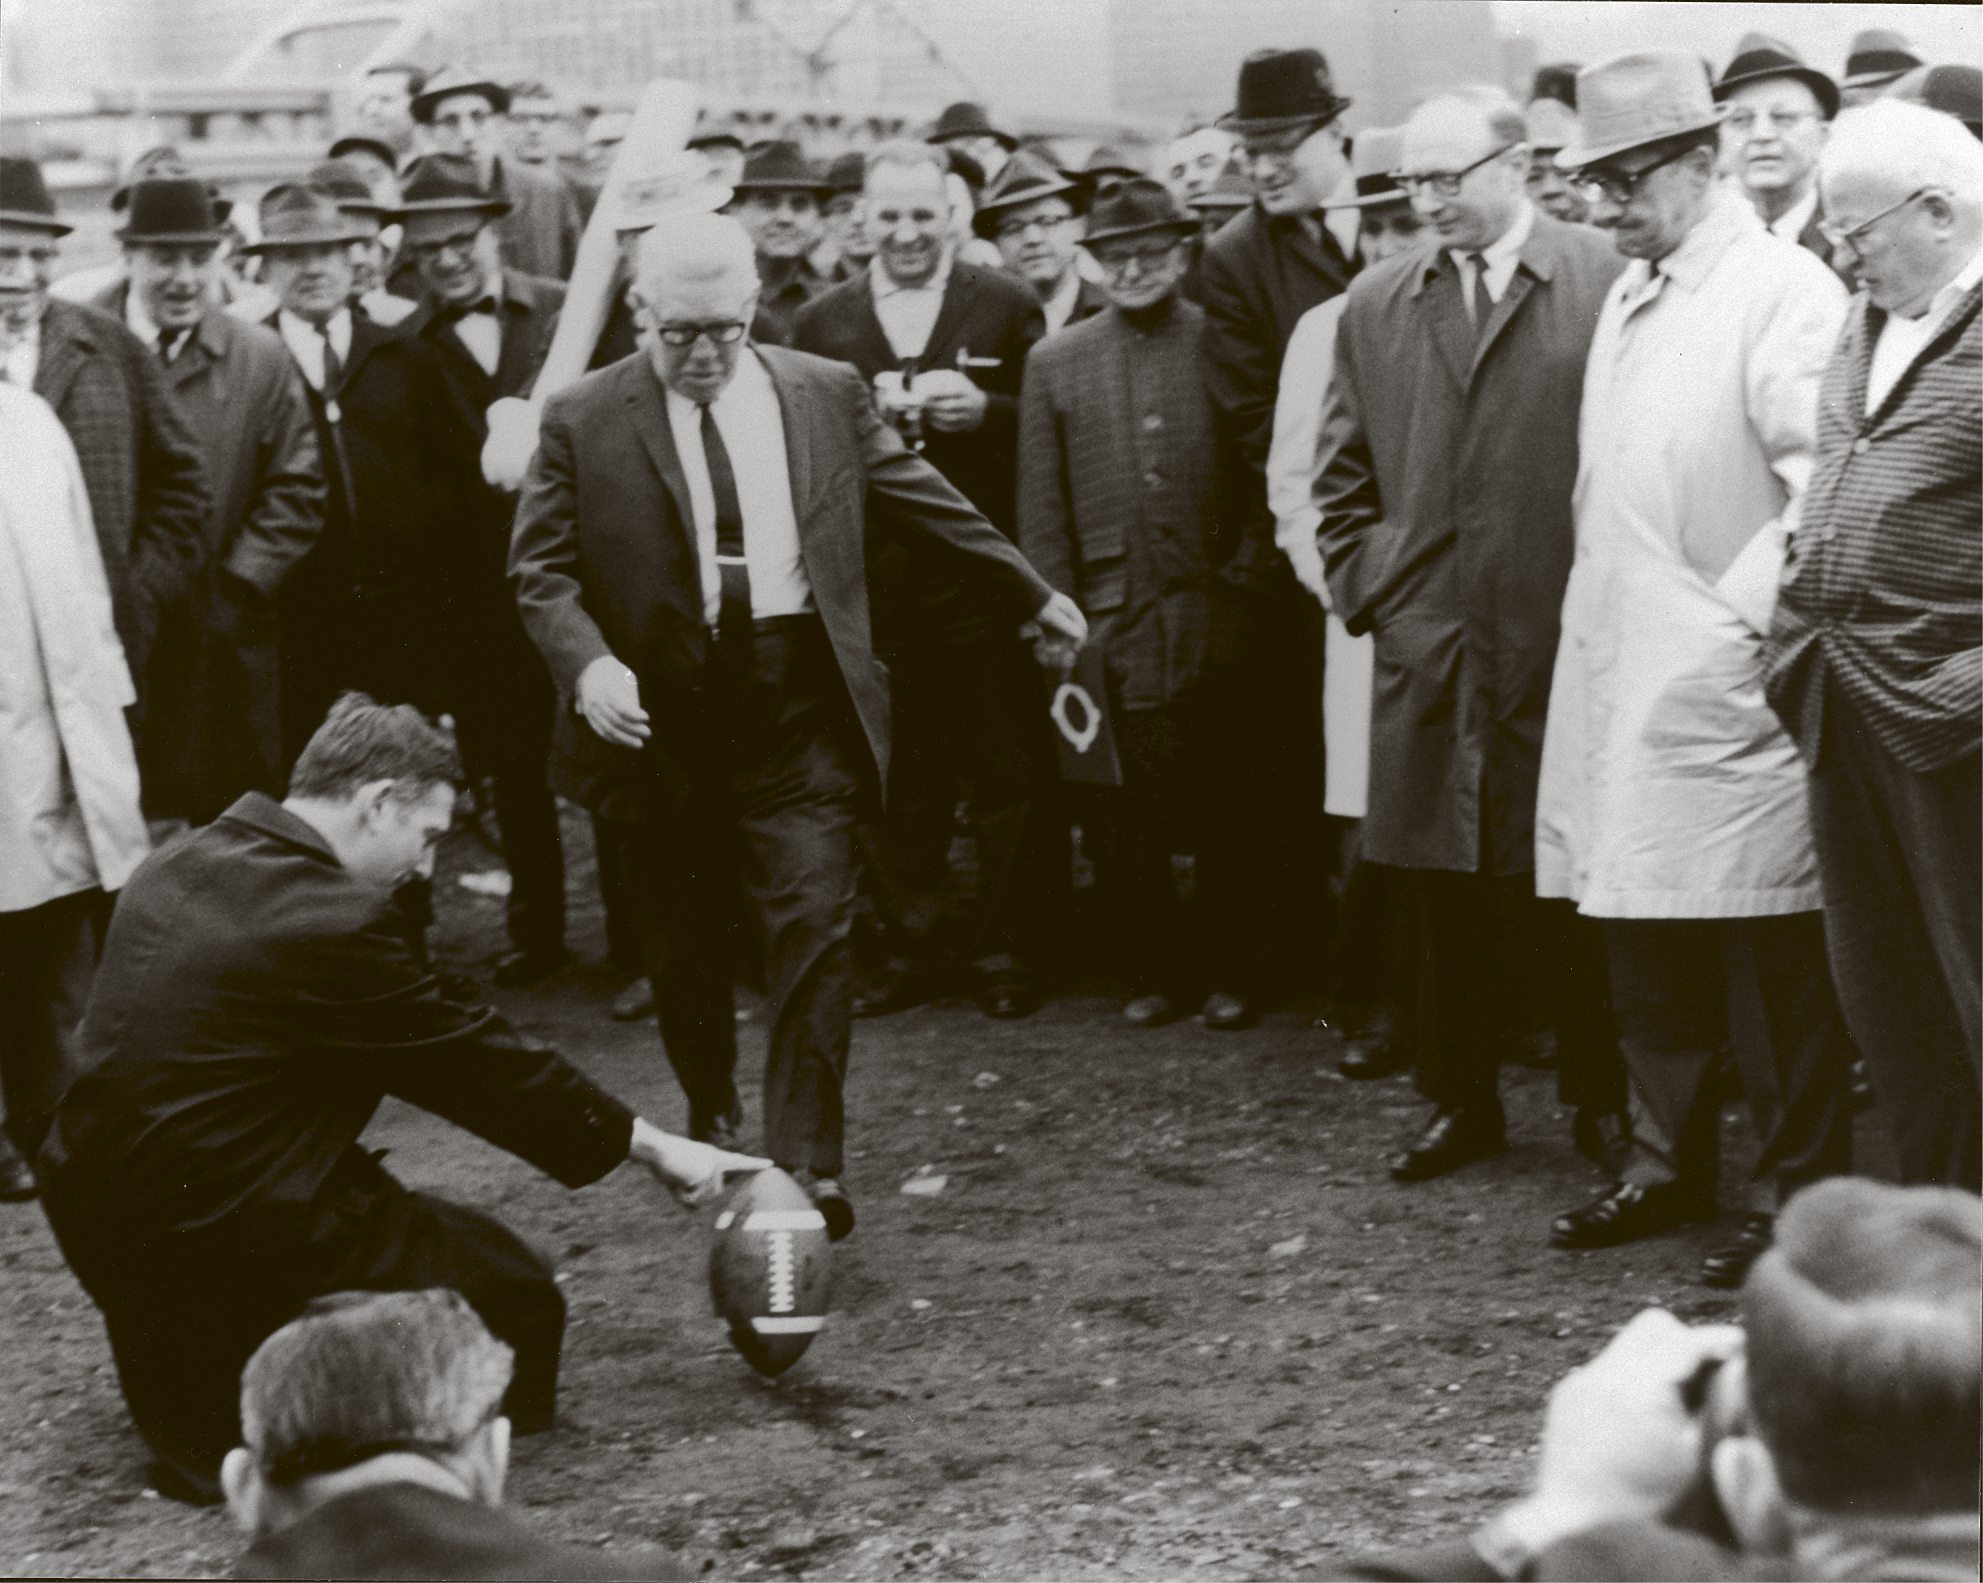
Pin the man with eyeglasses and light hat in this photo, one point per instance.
(1672, 803)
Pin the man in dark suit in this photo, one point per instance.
(1778, 111)
(141, 465)
(359, 613)
(374, 1446)
(257, 1000)
(778, 199)
(490, 328)
(709, 621)
(943, 344)
(1873, 659)
(215, 708)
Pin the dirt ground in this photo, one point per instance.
(1167, 1317)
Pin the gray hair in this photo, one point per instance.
(1505, 121)
(1907, 144)
(695, 248)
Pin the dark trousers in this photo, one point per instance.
(772, 779)
(1276, 702)
(184, 1315)
(970, 724)
(616, 897)
(1370, 948)
(1686, 989)
(48, 959)
(1901, 858)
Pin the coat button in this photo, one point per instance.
(1154, 479)
(1153, 421)
(1861, 446)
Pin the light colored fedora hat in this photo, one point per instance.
(1373, 159)
(1637, 99)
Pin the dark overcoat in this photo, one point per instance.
(1446, 466)
(605, 557)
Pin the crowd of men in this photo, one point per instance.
(1527, 558)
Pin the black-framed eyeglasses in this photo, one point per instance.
(1149, 255)
(459, 242)
(1619, 186)
(1017, 227)
(1444, 182)
(722, 332)
(1278, 145)
(1850, 237)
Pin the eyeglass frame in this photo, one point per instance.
(1014, 227)
(1779, 120)
(1621, 187)
(724, 332)
(1115, 255)
(1446, 183)
(1850, 237)
(460, 242)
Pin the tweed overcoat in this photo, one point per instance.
(1444, 477)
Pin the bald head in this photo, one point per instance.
(1464, 164)
(696, 277)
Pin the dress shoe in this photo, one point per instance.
(1150, 1011)
(721, 1132)
(1226, 1012)
(17, 1183)
(1009, 995)
(1625, 1214)
(1452, 1138)
(903, 986)
(835, 1207)
(1728, 1267)
(518, 968)
(1372, 1055)
(634, 1002)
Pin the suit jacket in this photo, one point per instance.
(254, 1005)
(779, 307)
(540, 233)
(141, 465)
(1256, 277)
(411, 1531)
(1129, 496)
(1446, 466)
(1880, 597)
(1813, 240)
(214, 719)
(605, 555)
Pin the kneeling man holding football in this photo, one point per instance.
(258, 997)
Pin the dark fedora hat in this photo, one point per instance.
(1280, 89)
(24, 198)
(1026, 179)
(451, 80)
(443, 184)
(716, 137)
(848, 173)
(164, 160)
(1953, 90)
(965, 119)
(1759, 57)
(1878, 55)
(360, 143)
(170, 209)
(1228, 194)
(1104, 165)
(781, 166)
(305, 214)
(344, 183)
(1140, 206)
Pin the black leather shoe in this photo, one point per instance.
(1227, 1012)
(1452, 1138)
(1009, 995)
(902, 987)
(1150, 1011)
(1372, 1055)
(1728, 1267)
(17, 1183)
(1625, 1214)
(518, 968)
(835, 1207)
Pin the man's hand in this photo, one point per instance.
(609, 698)
(511, 443)
(692, 1171)
(1057, 633)
(951, 402)
(1306, 561)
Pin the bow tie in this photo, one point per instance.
(460, 310)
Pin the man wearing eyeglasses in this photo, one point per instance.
(1034, 213)
(691, 557)
(1777, 111)
(1444, 475)
(490, 328)
(1672, 805)
(1873, 659)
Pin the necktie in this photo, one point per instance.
(1483, 304)
(454, 312)
(734, 615)
(333, 367)
(168, 341)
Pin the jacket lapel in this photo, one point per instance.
(1520, 284)
(957, 297)
(647, 410)
(366, 337)
(798, 437)
(1452, 330)
(65, 343)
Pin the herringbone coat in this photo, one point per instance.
(1883, 594)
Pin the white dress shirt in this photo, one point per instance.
(141, 324)
(482, 333)
(1903, 340)
(753, 429)
(1790, 224)
(1059, 308)
(908, 313)
(306, 342)
(22, 360)
(1501, 256)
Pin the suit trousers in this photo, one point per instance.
(1901, 857)
(1684, 989)
(47, 959)
(766, 802)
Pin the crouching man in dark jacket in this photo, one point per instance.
(256, 1001)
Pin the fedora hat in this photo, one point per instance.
(451, 80)
(344, 183)
(361, 143)
(1374, 157)
(1551, 125)
(1026, 179)
(170, 209)
(1140, 206)
(848, 173)
(164, 160)
(780, 166)
(24, 198)
(674, 184)
(1953, 90)
(1637, 99)
(1877, 57)
(304, 214)
(1228, 194)
(442, 184)
(965, 119)
(716, 137)
(1759, 57)
(1556, 81)
(1103, 165)
(1282, 88)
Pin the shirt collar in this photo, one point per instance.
(338, 324)
(885, 284)
(1728, 218)
(137, 320)
(1790, 224)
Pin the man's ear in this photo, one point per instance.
(242, 1481)
(1746, 1484)
(373, 797)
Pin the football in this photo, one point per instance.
(768, 1271)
